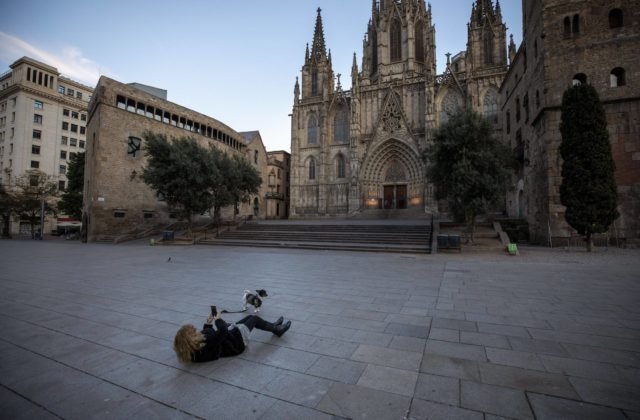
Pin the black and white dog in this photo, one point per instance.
(254, 299)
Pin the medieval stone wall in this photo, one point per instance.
(565, 43)
(116, 200)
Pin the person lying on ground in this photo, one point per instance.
(226, 340)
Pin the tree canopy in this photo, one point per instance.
(195, 179)
(588, 189)
(32, 190)
(71, 200)
(468, 166)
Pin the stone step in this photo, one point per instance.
(321, 246)
(335, 228)
(327, 237)
(356, 236)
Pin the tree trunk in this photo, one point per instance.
(189, 226)
(471, 227)
(216, 215)
(589, 242)
(6, 226)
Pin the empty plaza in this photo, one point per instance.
(87, 332)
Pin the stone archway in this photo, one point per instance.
(393, 177)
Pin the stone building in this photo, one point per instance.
(116, 199)
(359, 149)
(564, 43)
(256, 154)
(277, 182)
(43, 117)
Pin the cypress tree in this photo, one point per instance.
(588, 189)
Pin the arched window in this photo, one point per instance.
(616, 18)
(517, 109)
(312, 168)
(341, 126)
(508, 118)
(312, 130)
(490, 105)
(374, 52)
(579, 79)
(419, 39)
(576, 24)
(567, 27)
(617, 77)
(340, 167)
(488, 46)
(450, 105)
(314, 81)
(395, 40)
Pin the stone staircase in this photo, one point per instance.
(407, 237)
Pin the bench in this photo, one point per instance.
(449, 241)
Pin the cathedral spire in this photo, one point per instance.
(512, 49)
(482, 9)
(354, 70)
(318, 49)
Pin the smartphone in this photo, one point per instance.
(214, 311)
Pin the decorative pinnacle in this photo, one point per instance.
(318, 48)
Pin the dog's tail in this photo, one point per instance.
(224, 311)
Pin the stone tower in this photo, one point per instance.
(486, 57)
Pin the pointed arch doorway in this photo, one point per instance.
(393, 176)
(395, 187)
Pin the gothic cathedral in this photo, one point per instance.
(360, 149)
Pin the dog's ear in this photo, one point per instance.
(262, 292)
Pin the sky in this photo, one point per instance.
(235, 61)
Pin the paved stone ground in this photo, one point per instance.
(87, 333)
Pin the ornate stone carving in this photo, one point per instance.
(391, 117)
(395, 172)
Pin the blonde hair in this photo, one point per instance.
(188, 340)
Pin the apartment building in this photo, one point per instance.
(43, 117)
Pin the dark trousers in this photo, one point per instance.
(253, 321)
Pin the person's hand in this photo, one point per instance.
(218, 316)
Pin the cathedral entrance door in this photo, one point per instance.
(395, 197)
(388, 197)
(401, 196)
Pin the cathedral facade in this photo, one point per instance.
(359, 149)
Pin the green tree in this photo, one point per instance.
(8, 208)
(468, 166)
(222, 186)
(35, 190)
(183, 171)
(588, 188)
(71, 201)
(243, 181)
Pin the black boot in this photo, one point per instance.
(281, 329)
(279, 321)
(276, 329)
